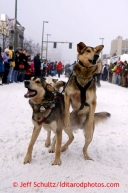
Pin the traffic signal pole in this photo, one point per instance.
(55, 43)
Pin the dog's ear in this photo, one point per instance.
(54, 80)
(49, 88)
(99, 48)
(80, 47)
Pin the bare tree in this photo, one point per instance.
(31, 46)
(4, 41)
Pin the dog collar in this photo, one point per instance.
(50, 105)
(45, 106)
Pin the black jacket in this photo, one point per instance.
(37, 63)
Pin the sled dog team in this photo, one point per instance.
(50, 107)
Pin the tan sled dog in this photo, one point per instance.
(80, 92)
(48, 111)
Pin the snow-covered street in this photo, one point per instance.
(109, 147)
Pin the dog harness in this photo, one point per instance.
(82, 89)
(83, 92)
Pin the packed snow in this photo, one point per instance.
(108, 148)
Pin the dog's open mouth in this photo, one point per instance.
(30, 93)
(92, 61)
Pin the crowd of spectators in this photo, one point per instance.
(18, 66)
(116, 73)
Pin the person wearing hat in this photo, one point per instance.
(6, 65)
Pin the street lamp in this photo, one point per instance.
(47, 45)
(102, 44)
(42, 39)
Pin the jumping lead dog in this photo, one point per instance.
(80, 92)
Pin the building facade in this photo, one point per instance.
(119, 46)
(8, 30)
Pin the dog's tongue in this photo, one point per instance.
(28, 94)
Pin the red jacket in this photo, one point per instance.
(59, 66)
(49, 67)
(118, 69)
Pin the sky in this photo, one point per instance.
(71, 21)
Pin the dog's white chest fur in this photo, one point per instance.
(52, 126)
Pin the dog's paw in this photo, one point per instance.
(88, 158)
(51, 150)
(27, 159)
(64, 148)
(47, 143)
(57, 162)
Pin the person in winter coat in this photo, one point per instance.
(105, 72)
(12, 64)
(21, 74)
(1, 67)
(16, 68)
(48, 69)
(114, 73)
(98, 72)
(59, 68)
(118, 73)
(53, 69)
(110, 73)
(37, 65)
(25, 62)
(6, 65)
(28, 70)
(32, 68)
(125, 74)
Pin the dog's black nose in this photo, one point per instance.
(26, 82)
(96, 56)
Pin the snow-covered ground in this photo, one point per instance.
(109, 147)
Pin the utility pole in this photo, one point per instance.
(15, 30)
(102, 44)
(47, 45)
(42, 39)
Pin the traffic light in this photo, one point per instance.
(70, 45)
(54, 45)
